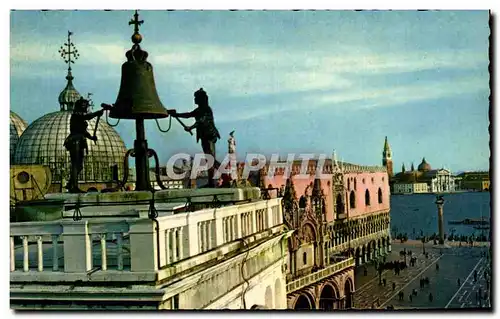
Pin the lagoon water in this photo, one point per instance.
(412, 213)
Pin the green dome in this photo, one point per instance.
(17, 127)
(42, 143)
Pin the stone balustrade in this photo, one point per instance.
(319, 275)
(133, 245)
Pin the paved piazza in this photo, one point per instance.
(454, 263)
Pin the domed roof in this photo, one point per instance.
(42, 143)
(424, 166)
(17, 127)
(69, 95)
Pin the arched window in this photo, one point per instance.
(367, 198)
(349, 184)
(304, 258)
(352, 200)
(379, 196)
(354, 184)
(339, 205)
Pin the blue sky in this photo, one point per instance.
(286, 81)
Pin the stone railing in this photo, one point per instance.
(134, 244)
(319, 275)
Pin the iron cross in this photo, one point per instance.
(136, 22)
(68, 51)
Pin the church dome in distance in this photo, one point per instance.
(42, 143)
(424, 166)
(17, 127)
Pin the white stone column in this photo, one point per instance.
(77, 246)
(280, 212)
(219, 229)
(104, 260)
(270, 218)
(224, 230)
(161, 243)
(40, 252)
(143, 249)
(175, 255)
(238, 224)
(181, 246)
(167, 247)
(209, 235)
(253, 216)
(12, 254)
(232, 228)
(26, 265)
(203, 246)
(193, 235)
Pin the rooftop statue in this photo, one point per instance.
(205, 129)
(76, 142)
(231, 143)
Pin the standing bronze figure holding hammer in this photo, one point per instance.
(205, 129)
(76, 142)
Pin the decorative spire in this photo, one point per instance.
(69, 54)
(69, 95)
(136, 54)
(386, 145)
(387, 150)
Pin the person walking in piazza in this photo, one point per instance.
(76, 142)
(206, 132)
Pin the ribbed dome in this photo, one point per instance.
(69, 95)
(424, 166)
(17, 127)
(42, 143)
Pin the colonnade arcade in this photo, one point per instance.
(325, 296)
(343, 231)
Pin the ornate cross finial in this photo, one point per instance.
(68, 52)
(136, 22)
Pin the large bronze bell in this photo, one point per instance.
(137, 98)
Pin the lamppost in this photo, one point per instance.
(423, 243)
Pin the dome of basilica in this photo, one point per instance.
(424, 166)
(17, 127)
(42, 142)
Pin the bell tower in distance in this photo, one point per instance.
(387, 158)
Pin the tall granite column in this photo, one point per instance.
(440, 204)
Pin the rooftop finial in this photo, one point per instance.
(69, 54)
(69, 95)
(136, 37)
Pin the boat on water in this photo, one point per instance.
(469, 221)
(482, 227)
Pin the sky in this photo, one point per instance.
(285, 81)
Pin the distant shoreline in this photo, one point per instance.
(444, 193)
(414, 242)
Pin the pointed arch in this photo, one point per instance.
(367, 197)
(352, 200)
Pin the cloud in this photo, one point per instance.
(323, 77)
